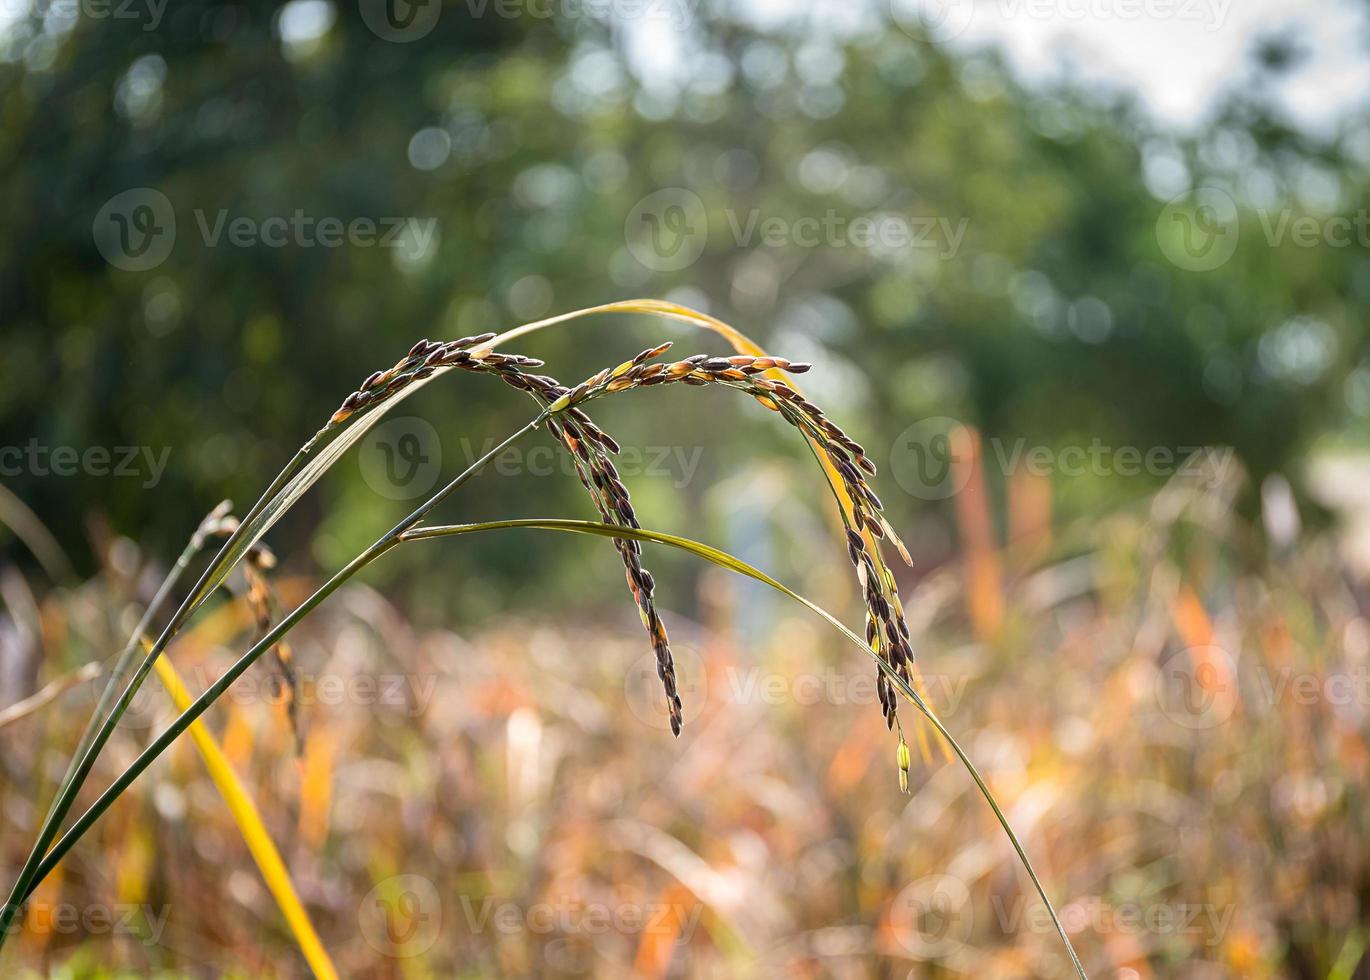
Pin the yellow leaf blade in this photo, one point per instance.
(250, 825)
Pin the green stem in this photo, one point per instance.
(408, 530)
(126, 657)
(42, 860)
(93, 744)
(735, 564)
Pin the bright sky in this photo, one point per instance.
(1178, 54)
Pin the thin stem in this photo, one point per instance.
(20, 710)
(192, 548)
(735, 564)
(408, 530)
(201, 704)
(76, 774)
(47, 859)
(1003, 822)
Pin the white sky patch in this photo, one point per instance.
(302, 22)
(1178, 55)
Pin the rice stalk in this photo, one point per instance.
(734, 564)
(843, 460)
(253, 830)
(742, 344)
(191, 713)
(589, 447)
(239, 801)
(887, 632)
(46, 858)
(48, 693)
(309, 463)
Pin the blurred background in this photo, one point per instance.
(1087, 278)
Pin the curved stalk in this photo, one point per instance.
(100, 726)
(301, 473)
(734, 564)
(415, 533)
(298, 475)
(41, 859)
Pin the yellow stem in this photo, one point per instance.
(253, 830)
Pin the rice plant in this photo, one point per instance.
(562, 411)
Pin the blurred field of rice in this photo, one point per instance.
(1170, 703)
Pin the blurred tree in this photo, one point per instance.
(1039, 296)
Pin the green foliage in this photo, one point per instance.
(1046, 312)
